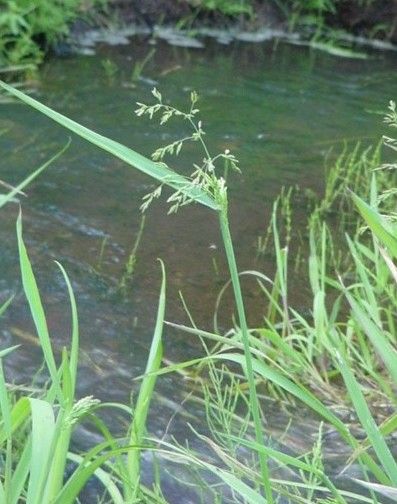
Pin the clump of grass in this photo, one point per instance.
(347, 339)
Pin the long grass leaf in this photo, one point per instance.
(384, 490)
(36, 307)
(74, 349)
(146, 389)
(158, 171)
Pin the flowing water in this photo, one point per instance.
(278, 107)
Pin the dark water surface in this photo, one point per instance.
(278, 107)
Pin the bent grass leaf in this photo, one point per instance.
(158, 171)
(377, 224)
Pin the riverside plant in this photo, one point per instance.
(267, 354)
(205, 188)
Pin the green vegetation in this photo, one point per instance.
(29, 27)
(226, 7)
(342, 351)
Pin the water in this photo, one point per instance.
(278, 107)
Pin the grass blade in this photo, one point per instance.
(16, 190)
(366, 419)
(74, 350)
(158, 171)
(377, 337)
(43, 429)
(36, 307)
(377, 224)
(146, 390)
(104, 477)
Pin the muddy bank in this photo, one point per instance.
(376, 18)
(189, 13)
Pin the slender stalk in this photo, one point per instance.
(253, 396)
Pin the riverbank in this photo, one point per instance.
(370, 19)
(27, 35)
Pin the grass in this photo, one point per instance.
(342, 351)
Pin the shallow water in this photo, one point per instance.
(278, 107)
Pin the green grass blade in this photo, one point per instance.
(64, 430)
(376, 335)
(158, 171)
(104, 477)
(8, 197)
(146, 390)
(36, 307)
(374, 435)
(377, 224)
(20, 474)
(19, 414)
(82, 474)
(5, 404)
(3, 497)
(247, 362)
(6, 351)
(74, 349)
(5, 409)
(43, 430)
(249, 495)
